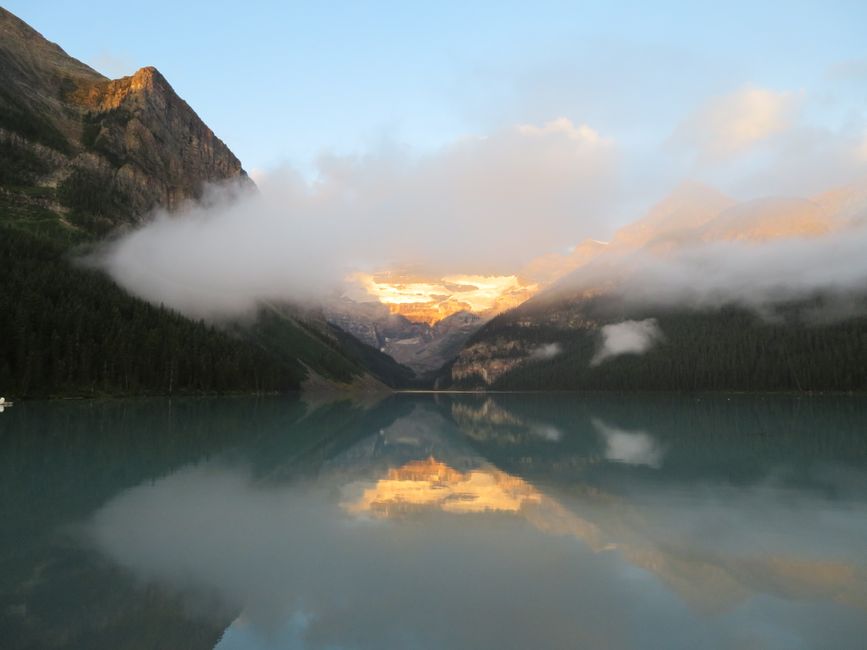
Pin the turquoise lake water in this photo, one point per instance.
(435, 521)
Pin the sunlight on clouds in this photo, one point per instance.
(433, 300)
(481, 206)
(732, 123)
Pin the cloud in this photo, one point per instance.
(446, 295)
(563, 126)
(759, 276)
(482, 206)
(628, 337)
(477, 212)
(759, 142)
(806, 159)
(732, 123)
(762, 255)
(629, 447)
(546, 351)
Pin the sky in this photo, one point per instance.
(284, 82)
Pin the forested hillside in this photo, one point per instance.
(67, 330)
(727, 348)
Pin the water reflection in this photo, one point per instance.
(454, 523)
(630, 447)
(430, 484)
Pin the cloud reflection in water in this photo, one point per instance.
(426, 555)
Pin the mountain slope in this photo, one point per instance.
(814, 341)
(421, 347)
(68, 330)
(81, 155)
(104, 151)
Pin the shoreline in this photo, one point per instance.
(350, 394)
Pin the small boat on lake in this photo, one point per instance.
(4, 404)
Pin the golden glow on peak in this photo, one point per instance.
(432, 485)
(429, 301)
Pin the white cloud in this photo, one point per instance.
(563, 126)
(732, 123)
(546, 351)
(628, 337)
(481, 206)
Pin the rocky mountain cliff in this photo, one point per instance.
(104, 152)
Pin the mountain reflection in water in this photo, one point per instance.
(543, 521)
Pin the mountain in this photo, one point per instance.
(422, 347)
(82, 155)
(691, 205)
(439, 344)
(111, 150)
(556, 339)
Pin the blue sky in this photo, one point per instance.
(283, 82)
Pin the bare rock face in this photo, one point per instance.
(484, 362)
(166, 153)
(422, 347)
(445, 340)
(114, 149)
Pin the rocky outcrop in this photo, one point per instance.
(113, 149)
(166, 154)
(484, 362)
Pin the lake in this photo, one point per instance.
(435, 521)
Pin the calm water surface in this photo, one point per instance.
(420, 521)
